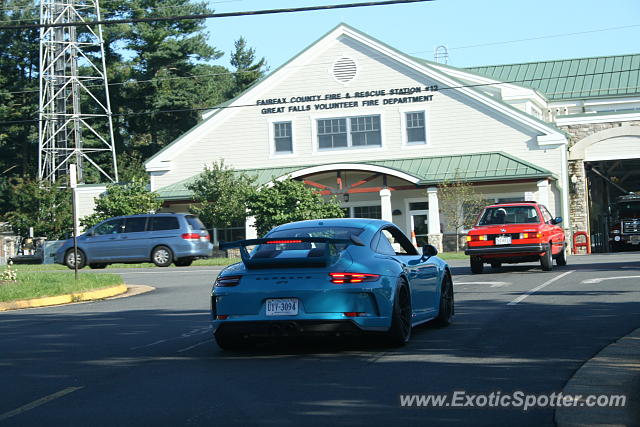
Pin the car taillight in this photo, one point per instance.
(191, 236)
(482, 237)
(226, 281)
(353, 277)
(530, 235)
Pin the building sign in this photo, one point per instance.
(331, 101)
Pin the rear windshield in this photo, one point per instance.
(195, 223)
(509, 215)
(304, 248)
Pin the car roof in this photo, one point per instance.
(336, 222)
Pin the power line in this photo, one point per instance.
(130, 114)
(212, 15)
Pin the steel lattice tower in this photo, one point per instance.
(75, 114)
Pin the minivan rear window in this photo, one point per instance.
(195, 222)
(164, 223)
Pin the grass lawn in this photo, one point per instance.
(453, 255)
(31, 284)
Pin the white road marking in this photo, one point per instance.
(537, 288)
(598, 280)
(191, 333)
(493, 284)
(193, 346)
(38, 402)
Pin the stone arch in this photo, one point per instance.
(577, 152)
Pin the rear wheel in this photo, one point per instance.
(162, 256)
(546, 260)
(183, 262)
(447, 307)
(70, 259)
(400, 331)
(561, 258)
(476, 265)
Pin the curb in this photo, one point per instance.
(615, 370)
(65, 299)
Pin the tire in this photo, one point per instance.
(476, 265)
(69, 259)
(98, 266)
(561, 258)
(162, 256)
(230, 342)
(400, 331)
(546, 260)
(183, 262)
(496, 264)
(447, 304)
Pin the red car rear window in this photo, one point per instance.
(500, 215)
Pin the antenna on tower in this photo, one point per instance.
(441, 55)
(75, 125)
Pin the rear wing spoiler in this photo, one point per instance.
(268, 259)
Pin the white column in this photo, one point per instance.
(385, 203)
(250, 228)
(434, 211)
(543, 194)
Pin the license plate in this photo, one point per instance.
(282, 307)
(634, 240)
(503, 240)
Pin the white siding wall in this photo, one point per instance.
(456, 124)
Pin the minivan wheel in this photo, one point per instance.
(162, 256)
(70, 259)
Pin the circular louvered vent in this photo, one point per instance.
(344, 70)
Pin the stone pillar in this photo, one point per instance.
(435, 234)
(578, 201)
(385, 203)
(250, 228)
(543, 193)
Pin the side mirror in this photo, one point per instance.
(556, 220)
(429, 250)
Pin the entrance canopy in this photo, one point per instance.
(418, 172)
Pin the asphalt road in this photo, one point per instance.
(150, 359)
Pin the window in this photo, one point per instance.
(114, 226)
(158, 223)
(135, 225)
(509, 215)
(391, 241)
(416, 130)
(374, 212)
(195, 222)
(419, 206)
(282, 137)
(361, 131)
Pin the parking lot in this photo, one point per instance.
(150, 359)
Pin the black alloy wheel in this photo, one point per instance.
(400, 332)
(447, 304)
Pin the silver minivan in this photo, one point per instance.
(163, 239)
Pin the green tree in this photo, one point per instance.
(222, 194)
(290, 200)
(123, 199)
(460, 204)
(32, 203)
(247, 70)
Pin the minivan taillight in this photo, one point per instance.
(353, 277)
(226, 281)
(191, 236)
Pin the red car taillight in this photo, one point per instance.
(226, 281)
(353, 277)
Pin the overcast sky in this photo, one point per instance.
(475, 32)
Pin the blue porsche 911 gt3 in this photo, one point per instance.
(330, 276)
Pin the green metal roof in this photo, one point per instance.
(495, 166)
(604, 76)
